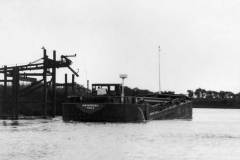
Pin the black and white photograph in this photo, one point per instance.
(119, 80)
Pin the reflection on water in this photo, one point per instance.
(212, 134)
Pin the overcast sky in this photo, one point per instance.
(199, 40)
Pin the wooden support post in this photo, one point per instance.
(13, 93)
(44, 83)
(73, 83)
(54, 85)
(15, 88)
(5, 81)
(17, 92)
(4, 93)
(66, 86)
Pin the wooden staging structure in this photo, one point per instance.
(36, 73)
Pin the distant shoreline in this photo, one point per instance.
(215, 106)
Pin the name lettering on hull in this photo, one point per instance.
(89, 108)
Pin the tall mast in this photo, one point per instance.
(159, 80)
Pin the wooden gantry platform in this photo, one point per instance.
(40, 74)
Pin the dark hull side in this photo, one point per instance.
(180, 111)
(112, 112)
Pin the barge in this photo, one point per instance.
(107, 103)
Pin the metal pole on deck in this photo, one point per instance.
(122, 76)
(87, 84)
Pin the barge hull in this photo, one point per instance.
(112, 112)
(106, 113)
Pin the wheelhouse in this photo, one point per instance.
(107, 89)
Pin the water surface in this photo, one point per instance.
(213, 134)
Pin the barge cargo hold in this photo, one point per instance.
(109, 106)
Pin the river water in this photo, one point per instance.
(212, 134)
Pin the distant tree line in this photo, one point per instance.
(210, 98)
(209, 94)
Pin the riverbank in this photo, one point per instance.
(216, 106)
